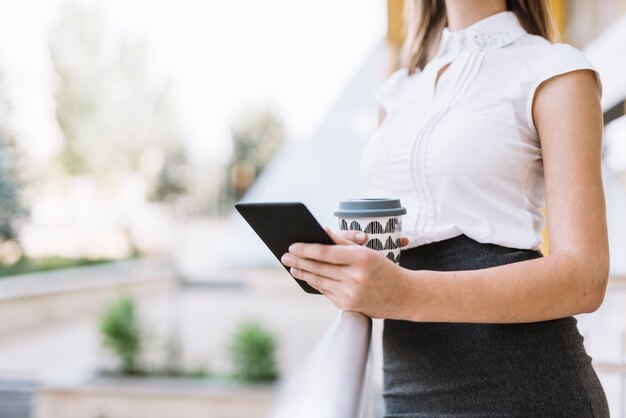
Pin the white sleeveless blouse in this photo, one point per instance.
(464, 157)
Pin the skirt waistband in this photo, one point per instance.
(462, 253)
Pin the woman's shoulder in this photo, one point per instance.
(545, 54)
(548, 59)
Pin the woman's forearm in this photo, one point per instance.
(550, 287)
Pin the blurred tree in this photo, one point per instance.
(172, 179)
(112, 117)
(10, 204)
(257, 134)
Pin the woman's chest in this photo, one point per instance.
(478, 135)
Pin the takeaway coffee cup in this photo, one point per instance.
(380, 218)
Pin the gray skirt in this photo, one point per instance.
(537, 369)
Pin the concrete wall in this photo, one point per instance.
(153, 398)
(33, 301)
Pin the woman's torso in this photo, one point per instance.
(464, 156)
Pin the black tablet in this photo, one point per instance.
(280, 224)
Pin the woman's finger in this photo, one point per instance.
(334, 254)
(347, 237)
(331, 271)
(355, 237)
(323, 284)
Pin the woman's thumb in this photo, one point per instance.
(360, 238)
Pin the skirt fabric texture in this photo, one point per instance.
(538, 369)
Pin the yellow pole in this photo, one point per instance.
(559, 11)
(395, 21)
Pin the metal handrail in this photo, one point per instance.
(332, 382)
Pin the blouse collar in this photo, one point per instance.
(494, 31)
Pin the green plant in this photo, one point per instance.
(122, 332)
(253, 351)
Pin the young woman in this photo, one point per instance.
(485, 117)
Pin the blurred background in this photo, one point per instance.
(128, 129)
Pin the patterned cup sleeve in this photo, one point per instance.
(383, 233)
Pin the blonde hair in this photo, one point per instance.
(425, 20)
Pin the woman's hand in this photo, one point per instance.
(352, 276)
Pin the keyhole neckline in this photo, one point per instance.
(440, 72)
(441, 66)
